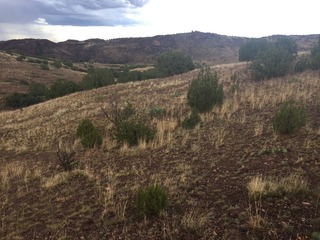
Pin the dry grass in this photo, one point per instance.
(18, 170)
(194, 221)
(64, 177)
(203, 168)
(262, 186)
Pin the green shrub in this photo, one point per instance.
(61, 88)
(98, 78)
(132, 131)
(273, 62)
(249, 50)
(68, 63)
(157, 112)
(91, 139)
(191, 121)
(287, 43)
(21, 58)
(37, 89)
(19, 100)
(44, 67)
(150, 201)
(172, 63)
(88, 134)
(289, 118)
(57, 64)
(302, 64)
(315, 236)
(205, 91)
(125, 75)
(315, 57)
(234, 88)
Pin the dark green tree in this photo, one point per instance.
(19, 100)
(289, 118)
(150, 201)
(37, 89)
(133, 130)
(205, 91)
(273, 62)
(61, 88)
(287, 43)
(302, 63)
(172, 63)
(89, 135)
(315, 57)
(98, 77)
(252, 48)
(57, 64)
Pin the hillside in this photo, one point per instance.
(205, 171)
(16, 76)
(206, 47)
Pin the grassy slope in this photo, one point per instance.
(16, 75)
(205, 171)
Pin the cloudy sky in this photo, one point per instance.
(59, 20)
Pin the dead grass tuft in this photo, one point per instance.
(194, 221)
(262, 186)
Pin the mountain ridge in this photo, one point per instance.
(207, 47)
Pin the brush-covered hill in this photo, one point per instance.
(232, 177)
(206, 47)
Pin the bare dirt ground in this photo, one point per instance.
(206, 171)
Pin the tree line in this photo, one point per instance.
(275, 59)
(167, 64)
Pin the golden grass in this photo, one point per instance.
(262, 186)
(64, 177)
(258, 129)
(41, 127)
(194, 220)
(18, 170)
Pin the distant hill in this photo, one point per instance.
(207, 47)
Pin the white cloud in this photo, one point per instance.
(41, 21)
(138, 18)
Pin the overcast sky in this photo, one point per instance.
(59, 20)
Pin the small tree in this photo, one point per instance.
(287, 43)
(98, 78)
(88, 134)
(290, 118)
(133, 130)
(37, 89)
(61, 88)
(150, 201)
(129, 125)
(205, 91)
(57, 64)
(274, 62)
(302, 64)
(252, 48)
(315, 57)
(172, 63)
(19, 100)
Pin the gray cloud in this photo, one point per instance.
(70, 12)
